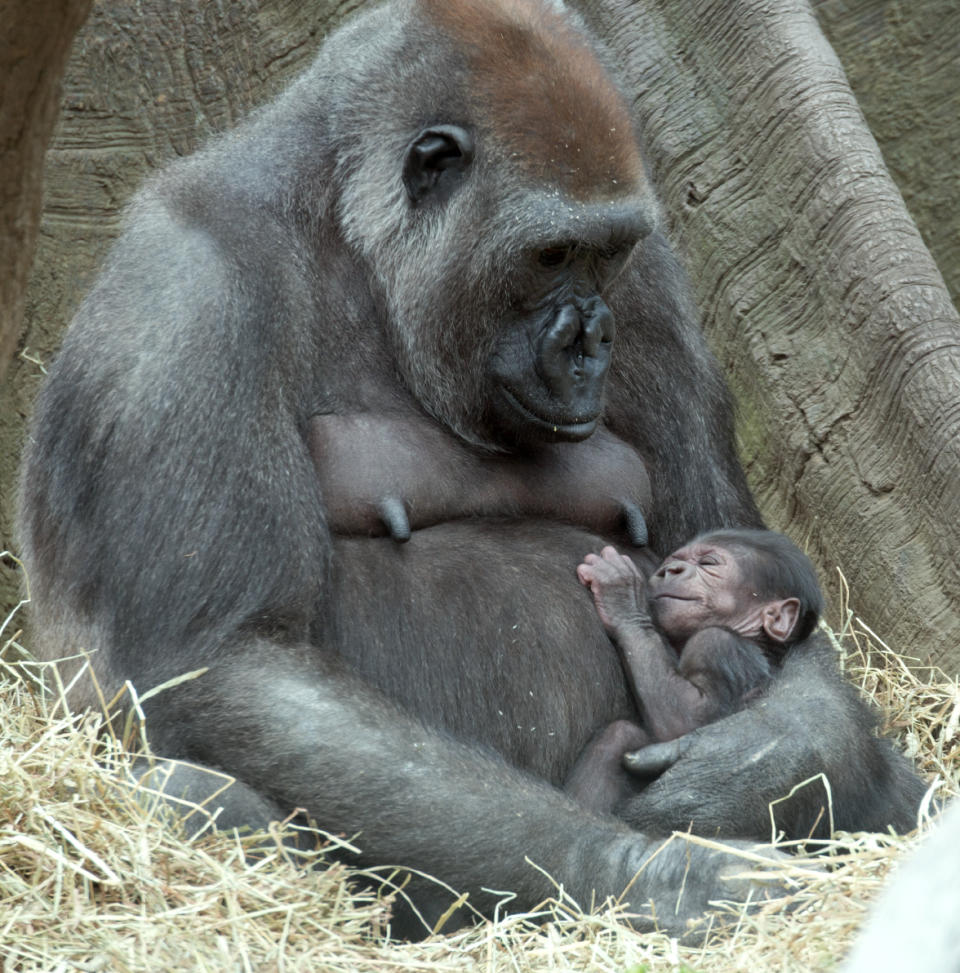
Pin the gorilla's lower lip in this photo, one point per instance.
(571, 430)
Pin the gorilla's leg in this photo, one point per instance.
(203, 797)
(324, 741)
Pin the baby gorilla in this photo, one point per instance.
(698, 640)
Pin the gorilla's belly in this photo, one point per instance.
(482, 627)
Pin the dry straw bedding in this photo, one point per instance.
(92, 879)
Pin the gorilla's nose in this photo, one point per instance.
(575, 352)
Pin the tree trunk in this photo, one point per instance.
(34, 45)
(902, 58)
(818, 294)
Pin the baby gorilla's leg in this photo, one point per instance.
(598, 780)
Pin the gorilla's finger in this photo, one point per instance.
(654, 760)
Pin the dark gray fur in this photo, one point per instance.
(428, 696)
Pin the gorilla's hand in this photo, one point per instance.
(723, 777)
(619, 589)
(798, 760)
(782, 764)
(735, 872)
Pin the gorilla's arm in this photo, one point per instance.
(724, 776)
(325, 741)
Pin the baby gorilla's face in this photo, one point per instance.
(699, 586)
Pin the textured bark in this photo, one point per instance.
(902, 58)
(818, 294)
(34, 44)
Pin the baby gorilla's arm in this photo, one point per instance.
(676, 695)
(727, 668)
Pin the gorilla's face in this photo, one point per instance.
(495, 229)
(496, 288)
(546, 373)
(493, 206)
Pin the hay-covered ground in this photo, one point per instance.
(91, 879)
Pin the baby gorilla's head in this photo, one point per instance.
(756, 582)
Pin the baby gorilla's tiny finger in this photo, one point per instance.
(606, 573)
(619, 564)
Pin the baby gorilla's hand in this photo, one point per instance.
(619, 589)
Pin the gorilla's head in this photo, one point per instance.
(504, 193)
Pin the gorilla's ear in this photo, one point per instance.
(435, 161)
(780, 618)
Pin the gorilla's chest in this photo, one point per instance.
(393, 472)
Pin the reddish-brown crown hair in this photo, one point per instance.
(544, 94)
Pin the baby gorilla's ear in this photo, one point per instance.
(780, 618)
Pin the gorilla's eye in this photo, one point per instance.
(553, 256)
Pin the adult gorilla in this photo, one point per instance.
(438, 224)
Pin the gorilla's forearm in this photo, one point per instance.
(736, 775)
(413, 796)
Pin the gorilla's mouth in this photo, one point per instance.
(553, 428)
